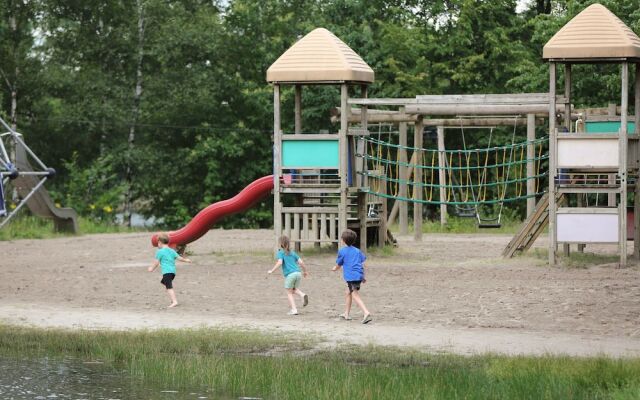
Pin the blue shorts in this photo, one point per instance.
(292, 280)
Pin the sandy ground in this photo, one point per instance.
(447, 293)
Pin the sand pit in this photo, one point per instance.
(447, 293)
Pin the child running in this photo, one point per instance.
(351, 260)
(166, 258)
(291, 263)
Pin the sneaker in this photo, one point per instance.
(292, 312)
(367, 318)
(345, 317)
(305, 300)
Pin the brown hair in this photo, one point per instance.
(349, 237)
(285, 243)
(163, 238)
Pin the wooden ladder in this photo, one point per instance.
(532, 227)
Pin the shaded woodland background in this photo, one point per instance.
(161, 107)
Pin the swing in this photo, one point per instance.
(492, 222)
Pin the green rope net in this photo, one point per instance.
(469, 177)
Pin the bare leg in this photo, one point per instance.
(172, 296)
(347, 306)
(292, 301)
(359, 302)
(303, 296)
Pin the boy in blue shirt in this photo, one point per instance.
(291, 263)
(166, 258)
(351, 260)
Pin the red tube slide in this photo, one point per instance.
(205, 219)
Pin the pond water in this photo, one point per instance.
(73, 379)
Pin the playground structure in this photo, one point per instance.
(577, 161)
(343, 180)
(18, 173)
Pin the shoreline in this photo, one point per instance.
(332, 332)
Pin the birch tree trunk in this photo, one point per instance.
(134, 117)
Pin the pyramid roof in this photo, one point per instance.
(320, 57)
(595, 33)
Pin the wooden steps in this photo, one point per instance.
(531, 227)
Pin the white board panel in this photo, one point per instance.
(587, 228)
(587, 152)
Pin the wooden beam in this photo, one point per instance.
(442, 175)
(552, 164)
(277, 154)
(531, 153)
(404, 174)
(622, 170)
(344, 172)
(636, 197)
(417, 190)
(298, 109)
(479, 109)
(362, 165)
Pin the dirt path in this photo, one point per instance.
(450, 292)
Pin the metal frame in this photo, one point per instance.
(9, 168)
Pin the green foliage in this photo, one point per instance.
(93, 191)
(203, 125)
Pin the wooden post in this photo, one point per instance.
(344, 157)
(531, 154)
(277, 154)
(417, 189)
(552, 163)
(362, 196)
(567, 125)
(442, 175)
(402, 159)
(382, 215)
(567, 95)
(622, 169)
(636, 197)
(298, 109)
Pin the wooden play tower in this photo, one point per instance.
(318, 185)
(598, 160)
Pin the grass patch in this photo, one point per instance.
(31, 227)
(282, 367)
(576, 259)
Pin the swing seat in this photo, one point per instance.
(489, 226)
(489, 223)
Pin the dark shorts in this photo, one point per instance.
(167, 280)
(353, 285)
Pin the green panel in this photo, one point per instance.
(608, 127)
(310, 153)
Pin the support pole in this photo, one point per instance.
(277, 154)
(552, 163)
(362, 196)
(622, 169)
(442, 175)
(531, 154)
(636, 197)
(402, 160)
(567, 126)
(417, 189)
(298, 109)
(344, 168)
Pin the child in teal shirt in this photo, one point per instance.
(166, 258)
(291, 264)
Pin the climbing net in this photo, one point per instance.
(472, 177)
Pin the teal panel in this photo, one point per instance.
(608, 127)
(310, 154)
